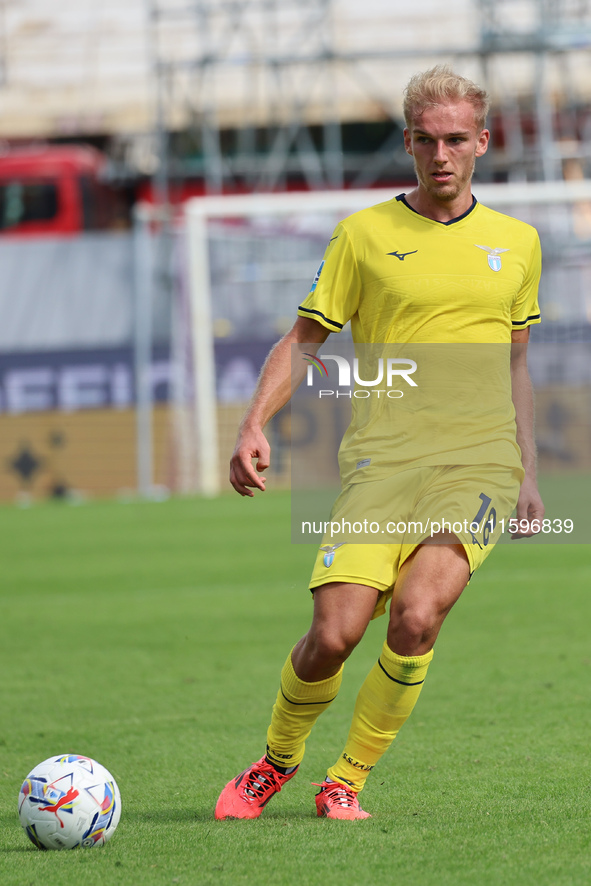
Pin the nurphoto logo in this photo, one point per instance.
(389, 371)
(314, 363)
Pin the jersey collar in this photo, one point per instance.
(402, 199)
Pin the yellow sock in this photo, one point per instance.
(297, 708)
(384, 703)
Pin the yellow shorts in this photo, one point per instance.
(375, 526)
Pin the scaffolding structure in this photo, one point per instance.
(268, 40)
(547, 132)
(287, 121)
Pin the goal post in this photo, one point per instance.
(258, 253)
(203, 359)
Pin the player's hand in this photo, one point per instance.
(251, 443)
(530, 510)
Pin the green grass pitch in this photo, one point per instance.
(150, 636)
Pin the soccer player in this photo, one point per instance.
(432, 265)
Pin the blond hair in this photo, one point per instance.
(441, 86)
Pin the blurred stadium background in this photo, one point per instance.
(136, 308)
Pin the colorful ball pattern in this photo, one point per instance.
(69, 801)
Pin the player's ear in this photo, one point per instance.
(407, 141)
(482, 143)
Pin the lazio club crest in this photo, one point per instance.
(493, 256)
(329, 553)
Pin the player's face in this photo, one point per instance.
(444, 141)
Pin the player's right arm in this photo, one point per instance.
(273, 391)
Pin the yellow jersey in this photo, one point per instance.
(448, 288)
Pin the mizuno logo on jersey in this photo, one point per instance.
(402, 255)
(493, 256)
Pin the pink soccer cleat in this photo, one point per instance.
(335, 800)
(247, 795)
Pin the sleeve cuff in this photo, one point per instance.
(319, 316)
(521, 324)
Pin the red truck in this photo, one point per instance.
(56, 190)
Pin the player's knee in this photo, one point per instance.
(334, 645)
(412, 624)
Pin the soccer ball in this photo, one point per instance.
(69, 801)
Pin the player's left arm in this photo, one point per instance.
(529, 505)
